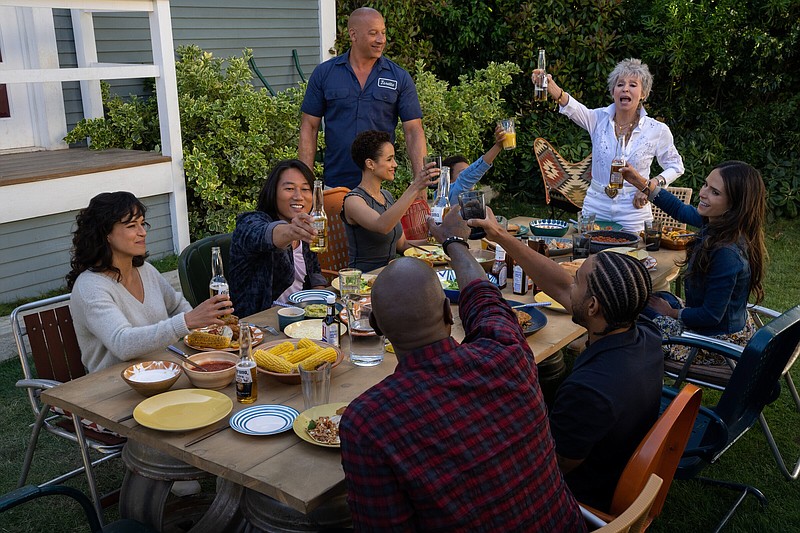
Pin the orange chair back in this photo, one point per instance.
(335, 257)
(659, 452)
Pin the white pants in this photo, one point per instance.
(619, 209)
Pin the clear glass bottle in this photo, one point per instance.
(540, 88)
(330, 325)
(615, 180)
(218, 283)
(441, 202)
(500, 268)
(320, 242)
(246, 370)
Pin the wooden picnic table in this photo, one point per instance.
(295, 476)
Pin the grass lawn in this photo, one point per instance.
(690, 505)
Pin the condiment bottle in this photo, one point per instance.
(218, 283)
(320, 243)
(246, 370)
(441, 202)
(520, 278)
(330, 326)
(500, 268)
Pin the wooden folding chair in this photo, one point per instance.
(635, 518)
(685, 195)
(46, 325)
(335, 257)
(565, 183)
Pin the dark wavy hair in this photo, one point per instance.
(741, 225)
(90, 248)
(267, 199)
(367, 145)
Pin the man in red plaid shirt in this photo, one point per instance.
(457, 437)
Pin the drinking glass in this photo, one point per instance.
(585, 221)
(652, 235)
(316, 385)
(437, 159)
(349, 281)
(473, 205)
(581, 245)
(366, 346)
(510, 140)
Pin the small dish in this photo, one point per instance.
(548, 227)
(311, 295)
(151, 377)
(264, 419)
(215, 379)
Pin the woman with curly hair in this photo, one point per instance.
(122, 308)
(725, 265)
(371, 215)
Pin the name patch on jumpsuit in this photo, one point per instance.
(387, 83)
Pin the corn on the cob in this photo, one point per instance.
(298, 355)
(326, 355)
(271, 362)
(306, 343)
(282, 348)
(202, 339)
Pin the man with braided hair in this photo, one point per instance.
(611, 400)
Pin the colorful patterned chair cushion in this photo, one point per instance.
(563, 181)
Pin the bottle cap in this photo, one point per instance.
(330, 299)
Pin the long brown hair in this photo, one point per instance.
(741, 225)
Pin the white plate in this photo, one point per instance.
(311, 295)
(307, 329)
(264, 419)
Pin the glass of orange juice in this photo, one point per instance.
(510, 140)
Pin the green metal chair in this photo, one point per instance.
(194, 266)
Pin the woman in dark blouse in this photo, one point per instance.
(371, 215)
(270, 256)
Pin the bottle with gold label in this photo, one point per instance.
(320, 242)
(246, 369)
(615, 180)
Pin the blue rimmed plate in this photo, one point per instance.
(538, 319)
(311, 295)
(264, 419)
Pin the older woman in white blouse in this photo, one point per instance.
(646, 139)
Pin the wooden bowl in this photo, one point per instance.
(214, 380)
(151, 377)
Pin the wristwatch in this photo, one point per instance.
(450, 240)
(661, 180)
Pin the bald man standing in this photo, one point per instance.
(456, 439)
(357, 91)
(612, 398)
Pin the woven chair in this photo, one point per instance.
(685, 195)
(335, 257)
(565, 183)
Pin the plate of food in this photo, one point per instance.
(542, 297)
(603, 239)
(676, 238)
(529, 318)
(431, 253)
(307, 329)
(366, 283)
(320, 425)
(280, 358)
(310, 295)
(606, 225)
(558, 245)
(517, 230)
(264, 419)
(225, 338)
(183, 410)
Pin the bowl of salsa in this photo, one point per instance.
(218, 369)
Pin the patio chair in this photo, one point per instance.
(685, 195)
(565, 183)
(31, 492)
(754, 383)
(658, 454)
(635, 518)
(194, 266)
(335, 257)
(47, 327)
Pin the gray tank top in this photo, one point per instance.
(369, 250)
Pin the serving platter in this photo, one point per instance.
(182, 410)
(294, 379)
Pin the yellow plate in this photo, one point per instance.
(633, 252)
(434, 254)
(301, 422)
(365, 288)
(554, 305)
(183, 410)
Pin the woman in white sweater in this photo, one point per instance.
(122, 308)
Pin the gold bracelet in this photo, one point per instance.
(558, 100)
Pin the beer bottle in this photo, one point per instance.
(246, 371)
(330, 326)
(615, 180)
(218, 283)
(441, 202)
(500, 268)
(540, 88)
(320, 242)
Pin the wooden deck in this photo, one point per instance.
(46, 165)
